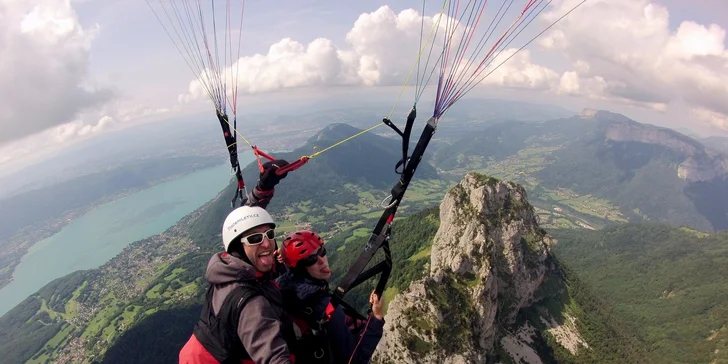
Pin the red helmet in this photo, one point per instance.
(299, 245)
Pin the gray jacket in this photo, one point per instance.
(260, 328)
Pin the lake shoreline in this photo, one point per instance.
(25, 242)
(130, 216)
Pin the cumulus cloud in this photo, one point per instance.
(716, 119)
(111, 115)
(288, 64)
(43, 67)
(519, 71)
(75, 129)
(381, 49)
(117, 114)
(624, 50)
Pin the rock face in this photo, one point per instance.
(633, 132)
(702, 168)
(698, 165)
(487, 260)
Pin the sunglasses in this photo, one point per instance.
(313, 258)
(257, 238)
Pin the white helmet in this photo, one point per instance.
(242, 219)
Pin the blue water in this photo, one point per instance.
(92, 239)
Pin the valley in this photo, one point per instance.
(98, 315)
(557, 207)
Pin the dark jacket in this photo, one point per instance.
(307, 298)
(260, 327)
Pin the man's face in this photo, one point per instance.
(261, 255)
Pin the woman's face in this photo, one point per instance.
(321, 269)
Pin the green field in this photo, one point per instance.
(337, 218)
(526, 161)
(557, 208)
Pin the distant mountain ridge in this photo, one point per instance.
(367, 160)
(717, 143)
(698, 165)
(650, 173)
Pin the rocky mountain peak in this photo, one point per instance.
(487, 260)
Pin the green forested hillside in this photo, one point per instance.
(410, 248)
(565, 297)
(669, 282)
(25, 329)
(366, 161)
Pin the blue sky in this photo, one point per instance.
(658, 61)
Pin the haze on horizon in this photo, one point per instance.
(76, 71)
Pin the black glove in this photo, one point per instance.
(269, 179)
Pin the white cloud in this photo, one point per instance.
(713, 118)
(114, 115)
(43, 67)
(76, 129)
(519, 71)
(625, 51)
(288, 64)
(382, 47)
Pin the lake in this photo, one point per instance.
(94, 238)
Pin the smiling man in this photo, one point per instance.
(241, 320)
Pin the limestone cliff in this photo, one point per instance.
(698, 164)
(703, 168)
(488, 259)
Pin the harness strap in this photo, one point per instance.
(381, 233)
(312, 333)
(232, 147)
